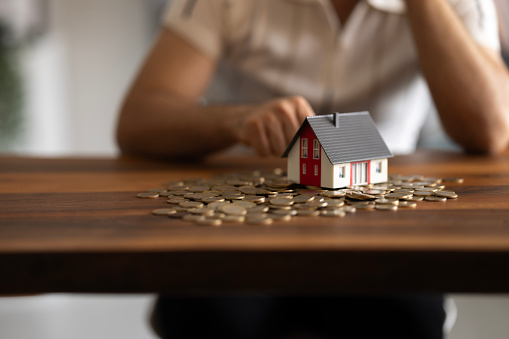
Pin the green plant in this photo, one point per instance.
(11, 92)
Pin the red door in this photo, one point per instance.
(310, 162)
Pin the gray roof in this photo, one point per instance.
(356, 138)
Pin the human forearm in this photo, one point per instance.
(165, 126)
(468, 84)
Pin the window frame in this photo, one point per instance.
(316, 149)
(342, 172)
(304, 148)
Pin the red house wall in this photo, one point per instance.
(309, 178)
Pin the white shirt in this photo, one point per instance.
(271, 48)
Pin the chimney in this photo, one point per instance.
(335, 120)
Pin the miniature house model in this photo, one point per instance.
(337, 150)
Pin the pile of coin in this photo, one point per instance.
(261, 198)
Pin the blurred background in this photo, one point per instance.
(64, 68)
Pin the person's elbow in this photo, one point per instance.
(127, 132)
(492, 135)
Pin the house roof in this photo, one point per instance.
(355, 139)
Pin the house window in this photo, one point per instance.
(316, 169)
(304, 151)
(378, 167)
(342, 172)
(316, 149)
(303, 168)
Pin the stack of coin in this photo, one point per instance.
(261, 198)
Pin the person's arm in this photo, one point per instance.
(469, 83)
(161, 115)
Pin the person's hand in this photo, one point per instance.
(270, 127)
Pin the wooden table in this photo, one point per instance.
(75, 225)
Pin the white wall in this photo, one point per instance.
(79, 71)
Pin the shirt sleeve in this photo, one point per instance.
(197, 21)
(481, 21)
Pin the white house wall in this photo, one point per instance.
(294, 162)
(341, 182)
(327, 175)
(378, 177)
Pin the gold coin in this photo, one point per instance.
(367, 207)
(256, 216)
(303, 207)
(398, 196)
(284, 195)
(349, 209)
(318, 198)
(282, 201)
(212, 199)
(410, 204)
(233, 218)
(386, 207)
(233, 196)
(215, 205)
(435, 198)
(335, 203)
(360, 196)
(156, 190)
(258, 209)
(423, 193)
(202, 210)
(334, 194)
(147, 195)
(209, 222)
(384, 201)
(164, 211)
(166, 194)
(308, 213)
(191, 204)
(414, 198)
(278, 207)
(333, 213)
(280, 217)
(303, 198)
(411, 186)
(427, 189)
(176, 200)
(403, 191)
(232, 209)
(374, 192)
(456, 180)
(316, 204)
(254, 198)
(245, 204)
(284, 212)
(251, 190)
(446, 194)
(436, 180)
(217, 215)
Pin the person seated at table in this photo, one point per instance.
(226, 72)
(273, 63)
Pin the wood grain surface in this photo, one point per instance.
(75, 225)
